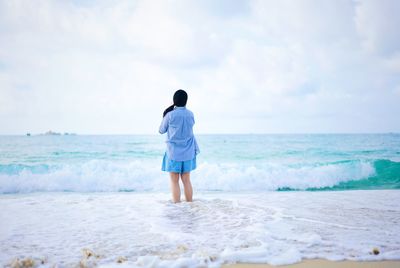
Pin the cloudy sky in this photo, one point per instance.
(111, 67)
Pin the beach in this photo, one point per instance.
(278, 119)
(147, 230)
(325, 264)
(103, 200)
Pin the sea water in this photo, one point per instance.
(147, 230)
(273, 199)
(226, 163)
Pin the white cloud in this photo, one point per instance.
(251, 66)
(377, 23)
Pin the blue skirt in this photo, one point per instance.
(170, 165)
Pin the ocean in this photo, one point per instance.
(227, 163)
(87, 201)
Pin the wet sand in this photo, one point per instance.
(324, 263)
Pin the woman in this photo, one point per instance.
(180, 157)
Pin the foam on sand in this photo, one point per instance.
(318, 263)
(144, 229)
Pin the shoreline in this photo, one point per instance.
(317, 263)
(146, 229)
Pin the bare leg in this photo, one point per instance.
(187, 185)
(175, 189)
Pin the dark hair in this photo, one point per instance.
(180, 100)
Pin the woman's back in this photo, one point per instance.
(181, 143)
(180, 157)
(181, 123)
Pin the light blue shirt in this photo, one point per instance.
(181, 143)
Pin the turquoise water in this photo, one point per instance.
(226, 163)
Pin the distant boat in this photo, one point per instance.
(51, 133)
(28, 134)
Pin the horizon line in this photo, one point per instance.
(215, 133)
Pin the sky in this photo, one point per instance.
(111, 67)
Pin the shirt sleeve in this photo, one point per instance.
(164, 124)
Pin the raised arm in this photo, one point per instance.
(164, 124)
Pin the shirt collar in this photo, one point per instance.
(180, 107)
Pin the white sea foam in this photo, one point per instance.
(109, 176)
(146, 230)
